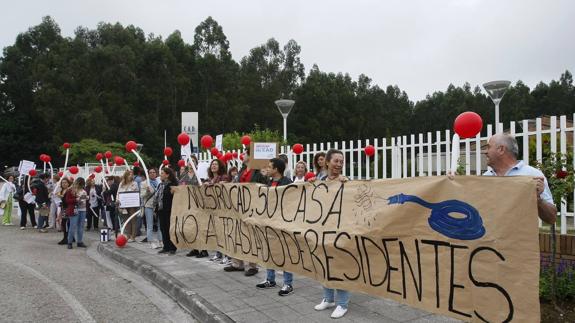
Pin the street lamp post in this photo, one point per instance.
(285, 106)
(496, 91)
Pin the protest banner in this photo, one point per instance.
(467, 248)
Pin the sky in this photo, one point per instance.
(421, 46)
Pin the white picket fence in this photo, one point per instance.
(430, 154)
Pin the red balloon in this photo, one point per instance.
(74, 170)
(60, 174)
(369, 150)
(183, 139)
(246, 140)
(228, 156)
(131, 145)
(181, 163)
(468, 124)
(222, 158)
(42, 157)
(165, 162)
(235, 154)
(168, 151)
(297, 149)
(66, 145)
(309, 175)
(207, 141)
(215, 151)
(219, 155)
(242, 157)
(121, 240)
(32, 172)
(119, 161)
(108, 154)
(98, 169)
(136, 164)
(110, 164)
(99, 156)
(48, 158)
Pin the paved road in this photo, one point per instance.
(41, 281)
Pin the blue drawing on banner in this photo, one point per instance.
(469, 227)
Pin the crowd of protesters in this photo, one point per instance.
(75, 206)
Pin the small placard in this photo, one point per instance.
(129, 199)
(261, 153)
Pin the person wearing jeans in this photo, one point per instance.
(334, 161)
(276, 170)
(147, 192)
(76, 198)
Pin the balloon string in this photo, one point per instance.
(128, 220)
(107, 166)
(143, 165)
(51, 170)
(66, 160)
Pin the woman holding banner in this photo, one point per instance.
(165, 197)
(217, 174)
(334, 160)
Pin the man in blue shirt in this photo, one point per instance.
(502, 152)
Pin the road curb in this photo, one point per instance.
(201, 309)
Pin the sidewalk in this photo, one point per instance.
(212, 295)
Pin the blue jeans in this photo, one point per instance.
(76, 229)
(149, 212)
(342, 296)
(41, 221)
(271, 277)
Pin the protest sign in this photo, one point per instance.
(261, 153)
(467, 248)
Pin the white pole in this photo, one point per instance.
(285, 128)
(497, 130)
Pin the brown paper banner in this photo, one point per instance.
(467, 248)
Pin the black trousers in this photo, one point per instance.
(26, 208)
(164, 216)
(92, 219)
(64, 226)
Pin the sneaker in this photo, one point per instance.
(81, 245)
(131, 240)
(159, 245)
(232, 268)
(63, 242)
(225, 261)
(324, 305)
(162, 251)
(266, 284)
(192, 253)
(42, 231)
(69, 246)
(152, 245)
(22, 228)
(286, 290)
(143, 240)
(338, 312)
(215, 258)
(251, 272)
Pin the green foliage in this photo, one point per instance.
(558, 169)
(565, 283)
(232, 140)
(85, 151)
(113, 83)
